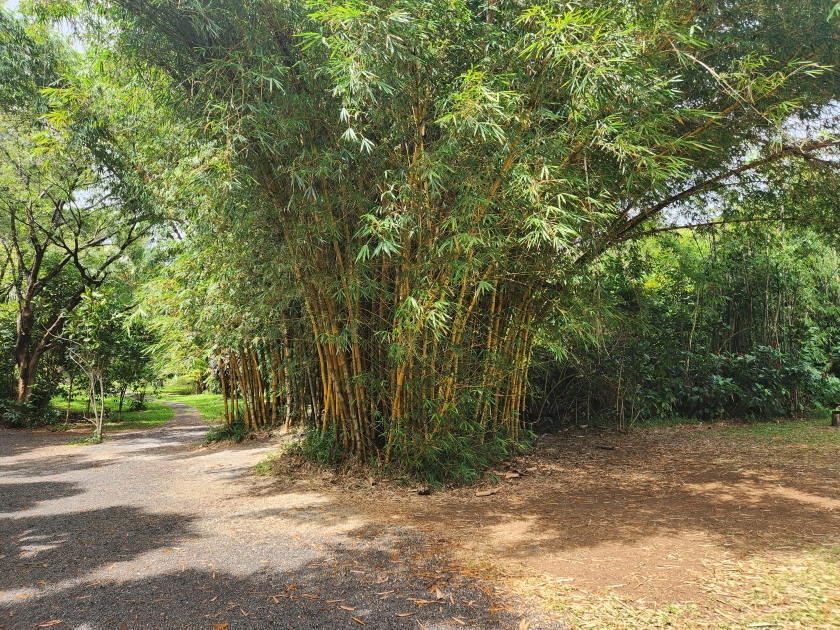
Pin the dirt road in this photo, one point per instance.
(148, 531)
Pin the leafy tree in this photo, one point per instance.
(71, 198)
(736, 320)
(412, 186)
(8, 380)
(132, 368)
(93, 337)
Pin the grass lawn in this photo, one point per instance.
(178, 389)
(810, 431)
(155, 415)
(211, 407)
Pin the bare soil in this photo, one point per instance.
(654, 520)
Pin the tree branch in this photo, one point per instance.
(622, 232)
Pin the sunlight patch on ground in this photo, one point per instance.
(757, 493)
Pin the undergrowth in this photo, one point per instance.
(86, 440)
(264, 466)
(449, 460)
(233, 432)
(320, 447)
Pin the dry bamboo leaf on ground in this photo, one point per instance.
(497, 607)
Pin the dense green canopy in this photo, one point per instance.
(74, 197)
(376, 211)
(412, 186)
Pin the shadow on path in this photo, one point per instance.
(163, 538)
(386, 586)
(19, 497)
(56, 547)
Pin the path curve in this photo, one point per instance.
(148, 530)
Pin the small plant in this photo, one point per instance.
(11, 414)
(136, 405)
(234, 432)
(51, 415)
(264, 467)
(88, 439)
(323, 448)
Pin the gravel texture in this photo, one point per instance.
(149, 531)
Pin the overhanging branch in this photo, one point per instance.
(624, 231)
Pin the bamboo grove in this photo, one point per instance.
(408, 190)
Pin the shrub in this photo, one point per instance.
(11, 414)
(321, 447)
(458, 458)
(233, 432)
(136, 405)
(455, 459)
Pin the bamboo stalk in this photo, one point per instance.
(224, 387)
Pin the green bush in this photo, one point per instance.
(450, 459)
(321, 447)
(454, 458)
(132, 404)
(11, 414)
(734, 322)
(233, 432)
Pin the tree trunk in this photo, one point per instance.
(69, 398)
(122, 397)
(26, 380)
(99, 413)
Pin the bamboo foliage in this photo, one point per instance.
(258, 388)
(409, 186)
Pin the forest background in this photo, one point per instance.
(421, 231)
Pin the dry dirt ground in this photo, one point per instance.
(683, 527)
(688, 526)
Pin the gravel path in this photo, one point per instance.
(148, 531)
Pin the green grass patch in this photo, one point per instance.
(813, 430)
(211, 407)
(233, 432)
(154, 415)
(85, 441)
(176, 389)
(264, 467)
